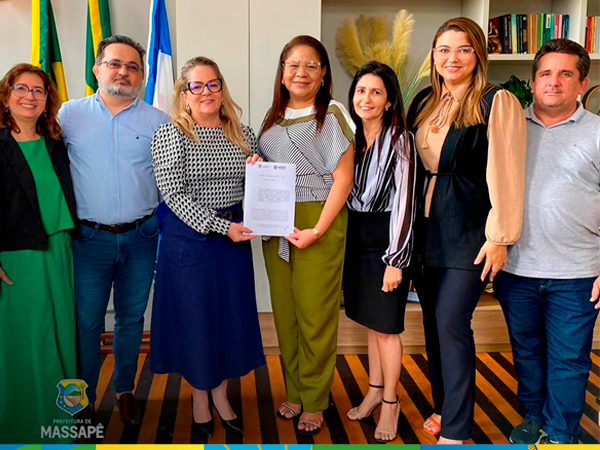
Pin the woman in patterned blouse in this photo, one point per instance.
(306, 127)
(381, 213)
(204, 318)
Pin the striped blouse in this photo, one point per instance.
(294, 139)
(385, 182)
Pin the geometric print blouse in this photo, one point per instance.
(197, 179)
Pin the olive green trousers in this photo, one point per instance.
(305, 294)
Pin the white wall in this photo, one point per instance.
(129, 17)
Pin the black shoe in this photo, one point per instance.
(233, 425)
(205, 428)
(527, 432)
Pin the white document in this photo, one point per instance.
(270, 198)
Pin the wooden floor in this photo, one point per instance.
(165, 403)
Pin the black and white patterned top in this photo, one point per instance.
(294, 139)
(196, 179)
(384, 180)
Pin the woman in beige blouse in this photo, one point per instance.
(471, 140)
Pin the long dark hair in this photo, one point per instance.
(281, 95)
(393, 118)
(47, 124)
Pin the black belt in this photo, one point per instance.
(429, 175)
(229, 215)
(116, 229)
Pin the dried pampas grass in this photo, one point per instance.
(368, 38)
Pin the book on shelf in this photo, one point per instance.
(592, 35)
(525, 33)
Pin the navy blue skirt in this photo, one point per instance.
(204, 317)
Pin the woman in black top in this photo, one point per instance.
(471, 172)
(37, 300)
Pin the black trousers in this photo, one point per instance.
(448, 299)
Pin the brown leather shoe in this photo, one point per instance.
(88, 415)
(129, 410)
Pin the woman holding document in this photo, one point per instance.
(305, 126)
(204, 318)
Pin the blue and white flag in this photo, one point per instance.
(159, 63)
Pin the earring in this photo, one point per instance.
(386, 108)
(45, 114)
(187, 108)
(322, 83)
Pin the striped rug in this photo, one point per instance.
(167, 414)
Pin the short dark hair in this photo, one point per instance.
(564, 46)
(119, 39)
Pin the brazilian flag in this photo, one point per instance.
(45, 50)
(98, 29)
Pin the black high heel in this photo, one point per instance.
(233, 425)
(205, 428)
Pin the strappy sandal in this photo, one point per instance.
(391, 434)
(355, 409)
(287, 410)
(436, 429)
(305, 432)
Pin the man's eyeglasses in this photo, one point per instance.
(197, 87)
(311, 67)
(462, 53)
(117, 64)
(22, 91)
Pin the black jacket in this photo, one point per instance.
(20, 220)
(455, 230)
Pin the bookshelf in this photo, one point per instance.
(430, 14)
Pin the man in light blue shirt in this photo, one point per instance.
(108, 137)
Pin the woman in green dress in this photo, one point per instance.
(37, 303)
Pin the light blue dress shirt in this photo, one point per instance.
(111, 164)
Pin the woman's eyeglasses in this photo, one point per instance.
(197, 87)
(22, 91)
(311, 67)
(462, 53)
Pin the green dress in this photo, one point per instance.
(37, 316)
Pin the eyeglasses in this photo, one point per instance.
(197, 87)
(311, 67)
(117, 64)
(462, 53)
(22, 91)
